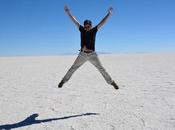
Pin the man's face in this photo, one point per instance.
(87, 27)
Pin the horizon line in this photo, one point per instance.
(75, 54)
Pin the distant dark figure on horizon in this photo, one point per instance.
(87, 51)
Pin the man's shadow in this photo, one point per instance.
(32, 120)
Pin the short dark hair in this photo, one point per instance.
(87, 22)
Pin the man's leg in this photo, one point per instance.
(96, 62)
(80, 60)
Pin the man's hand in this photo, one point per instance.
(66, 8)
(110, 11)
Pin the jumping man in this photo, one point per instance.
(87, 51)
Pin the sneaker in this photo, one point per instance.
(60, 84)
(115, 85)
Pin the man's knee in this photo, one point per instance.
(75, 67)
(100, 68)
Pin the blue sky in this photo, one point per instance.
(41, 27)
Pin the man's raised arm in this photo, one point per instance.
(105, 18)
(67, 10)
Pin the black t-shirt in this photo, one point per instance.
(88, 37)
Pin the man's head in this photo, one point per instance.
(87, 25)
